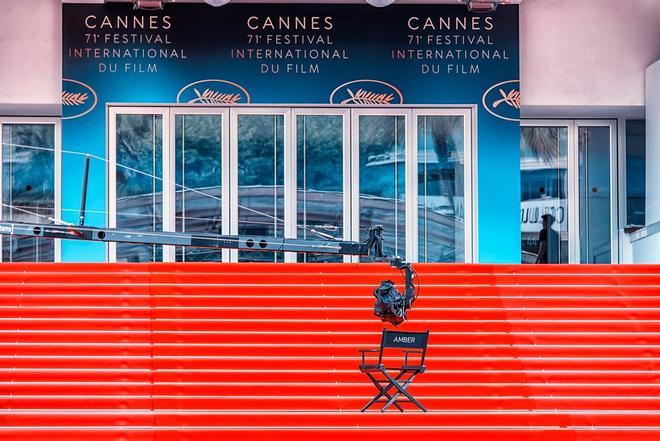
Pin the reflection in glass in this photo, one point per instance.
(198, 167)
(594, 184)
(28, 183)
(261, 181)
(382, 179)
(319, 141)
(441, 165)
(544, 184)
(636, 171)
(139, 193)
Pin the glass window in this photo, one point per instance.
(28, 188)
(260, 181)
(543, 188)
(441, 168)
(198, 176)
(139, 182)
(320, 142)
(636, 172)
(382, 146)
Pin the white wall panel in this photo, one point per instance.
(573, 52)
(30, 51)
(587, 52)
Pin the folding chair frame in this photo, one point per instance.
(400, 383)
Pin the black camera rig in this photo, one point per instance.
(391, 306)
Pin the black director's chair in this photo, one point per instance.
(412, 351)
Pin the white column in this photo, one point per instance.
(653, 143)
(646, 242)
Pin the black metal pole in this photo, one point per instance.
(198, 240)
(83, 200)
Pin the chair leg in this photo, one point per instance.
(381, 391)
(393, 400)
(402, 390)
(392, 382)
(371, 403)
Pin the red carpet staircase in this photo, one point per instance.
(262, 351)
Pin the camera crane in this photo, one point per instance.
(391, 306)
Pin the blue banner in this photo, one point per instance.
(295, 54)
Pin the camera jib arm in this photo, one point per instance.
(391, 307)
(371, 247)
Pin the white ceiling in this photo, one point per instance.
(430, 2)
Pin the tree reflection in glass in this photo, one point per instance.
(319, 141)
(198, 167)
(382, 148)
(261, 181)
(28, 183)
(543, 187)
(441, 193)
(139, 196)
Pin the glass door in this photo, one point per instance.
(308, 172)
(201, 193)
(598, 211)
(30, 187)
(321, 160)
(136, 179)
(443, 164)
(379, 150)
(258, 140)
(544, 192)
(568, 176)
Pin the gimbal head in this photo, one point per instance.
(392, 306)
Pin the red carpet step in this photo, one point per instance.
(269, 351)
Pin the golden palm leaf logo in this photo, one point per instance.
(213, 91)
(366, 92)
(78, 98)
(512, 98)
(74, 99)
(502, 100)
(366, 97)
(210, 96)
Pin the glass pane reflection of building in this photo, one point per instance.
(139, 195)
(320, 205)
(28, 186)
(198, 176)
(441, 168)
(382, 149)
(260, 181)
(544, 185)
(635, 172)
